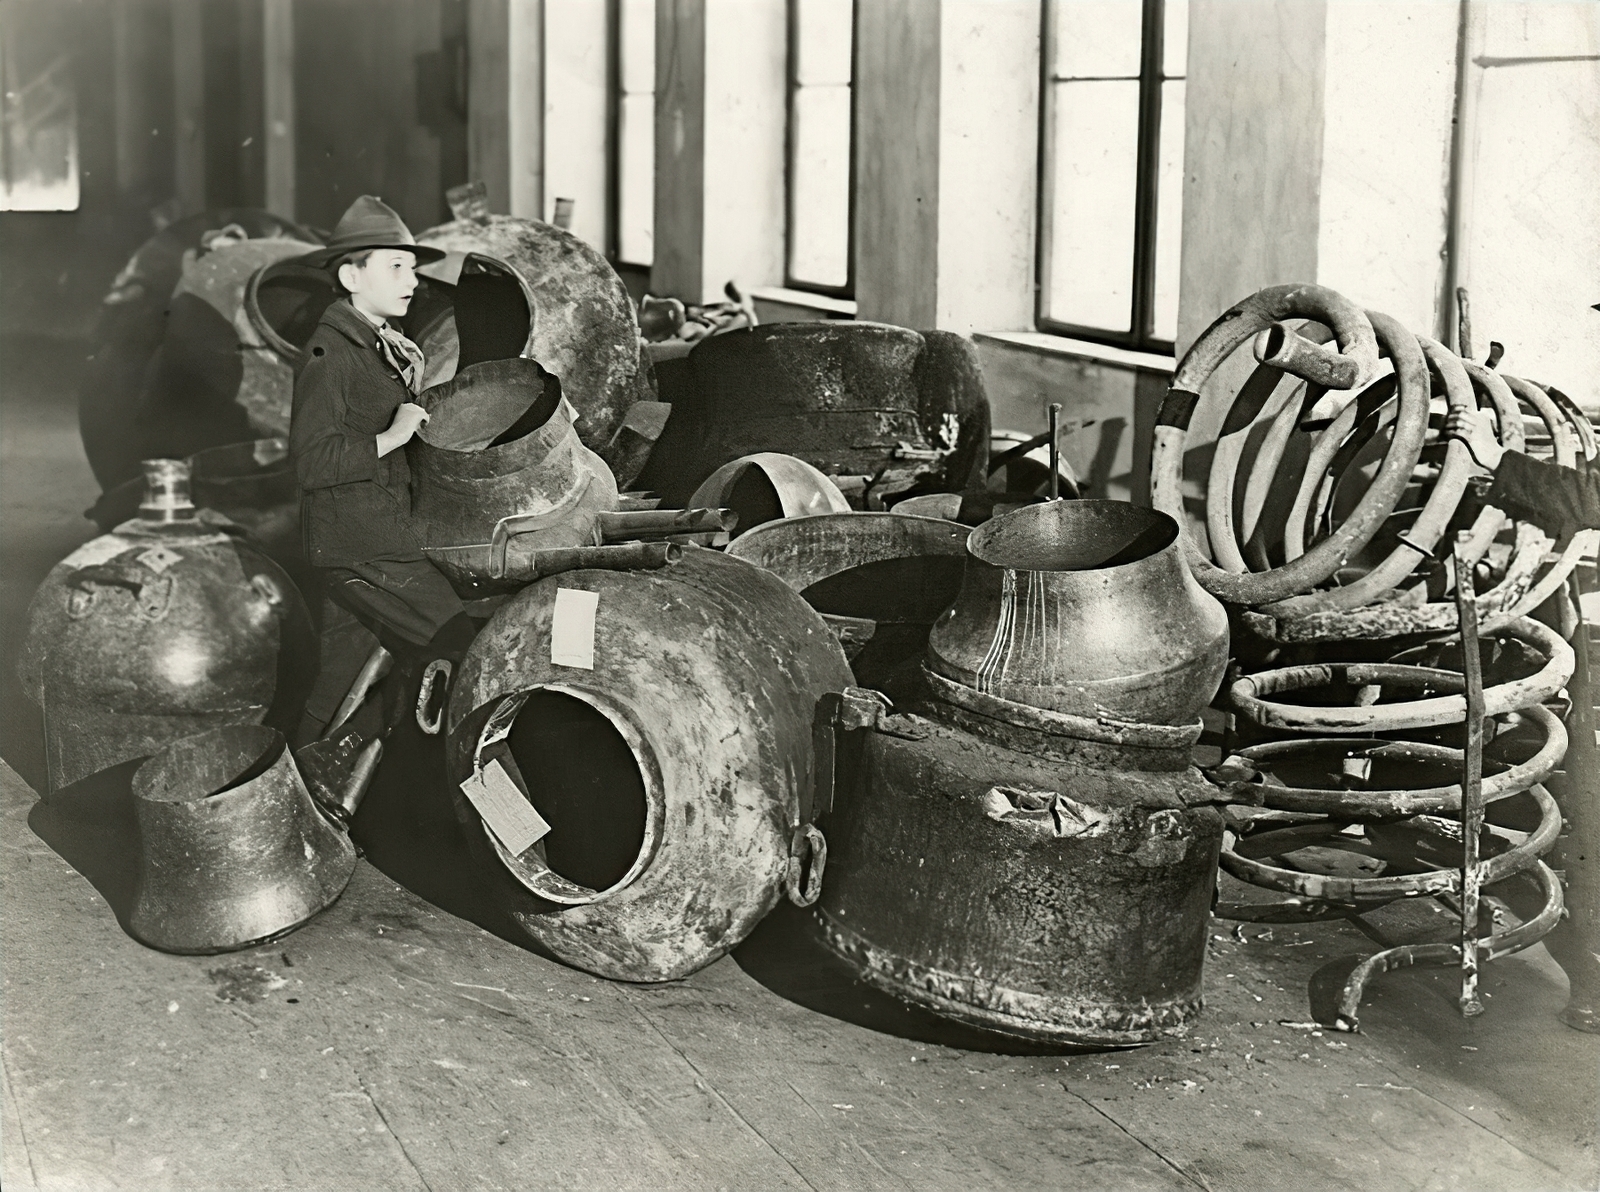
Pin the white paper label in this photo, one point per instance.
(572, 628)
(159, 558)
(505, 809)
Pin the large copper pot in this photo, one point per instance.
(666, 738)
(1037, 874)
(1087, 608)
(885, 410)
(579, 320)
(166, 627)
(499, 459)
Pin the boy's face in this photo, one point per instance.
(382, 286)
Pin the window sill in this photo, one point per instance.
(1060, 345)
(812, 305)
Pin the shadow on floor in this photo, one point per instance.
(786, 955)
(91, 826)
(407, 828)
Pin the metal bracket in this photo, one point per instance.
(848, 710)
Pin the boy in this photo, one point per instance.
(354, 411)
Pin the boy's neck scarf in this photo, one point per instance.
(403, 356)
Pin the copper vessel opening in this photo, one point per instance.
(1073, 536)
(577, 759)
(209, 764)
(491, 405)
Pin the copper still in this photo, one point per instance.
(168, 626)
(501, 460)
(659, 725)
(1037, 874)
(1086, 608)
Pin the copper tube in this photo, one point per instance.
(1282, 347)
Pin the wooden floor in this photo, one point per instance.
(392, 1044)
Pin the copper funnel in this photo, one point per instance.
(234, 852)
(1087, 608)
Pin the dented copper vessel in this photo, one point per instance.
(233, 851)
(1041, 875)
(500, 461)
(884, 410)
(1087, 608)
(166, 627)
(581, 324)
(660, 724)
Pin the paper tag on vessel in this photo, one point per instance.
(505, 809)
(159, 558)
(572, 628)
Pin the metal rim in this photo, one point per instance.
(529, 869)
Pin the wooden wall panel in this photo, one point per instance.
(381, 106)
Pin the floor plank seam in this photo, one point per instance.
(22, 1130)
(1475, 1122)
(1197, 1180)
(717, 1093)
(398, 1141)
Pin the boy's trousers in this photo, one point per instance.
(409, 597)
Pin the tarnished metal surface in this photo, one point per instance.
(1356, 339)
(674, 772)
(585, 329)
(882, 579)
(1490, 947)
(1014, 888)
(1382, 762)
(921, 582)
(233, 851)
(498, 460)
(132, 324)
(895, 410)
(797, 489)
(157, 631)
(1246, 862)
(214, 380)
(1084, 607)
(1368, 715)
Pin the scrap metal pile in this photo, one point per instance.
(722, 665)
(1387, 761)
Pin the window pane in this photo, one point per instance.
(822, 40)
(636, 178)
(819, 239)
(1175, 38)
(1097, 38)
(1169, 212)
(638, 46)
(39, 126)
(1095, 160)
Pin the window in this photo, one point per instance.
(633, 133)
(38, 111)
(1111, 169)
(821, 47)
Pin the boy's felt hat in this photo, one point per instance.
(369, 223)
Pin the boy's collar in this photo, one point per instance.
(344, 318)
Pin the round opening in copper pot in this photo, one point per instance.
(1072, 536)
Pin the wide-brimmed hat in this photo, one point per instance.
(369, 223)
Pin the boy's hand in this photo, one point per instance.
(409, 419)
(1474, 428)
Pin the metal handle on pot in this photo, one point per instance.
(802, 882)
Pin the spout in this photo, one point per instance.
(525, 566)
(166, 491)
(1282, 347)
